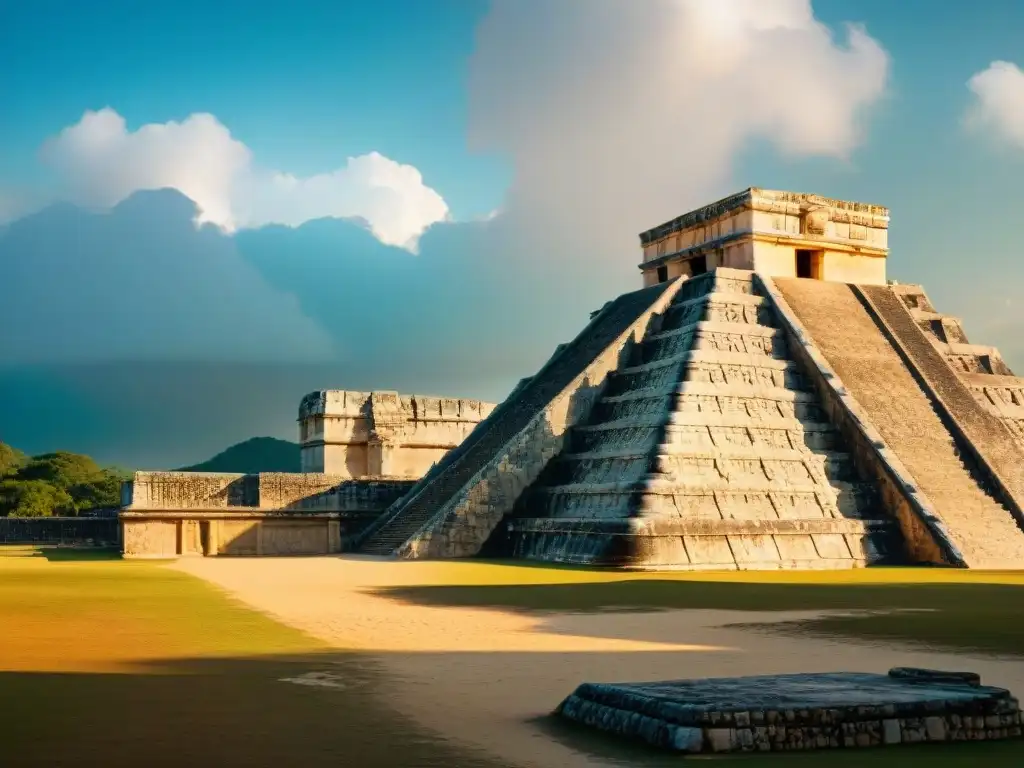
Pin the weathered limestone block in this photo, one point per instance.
(172, 514)
(774, 232)
(797, 712)
(386, 434)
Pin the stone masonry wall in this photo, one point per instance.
(361, 434)
(463, 525)
(202, 491)
(925, 534)
(170, 514)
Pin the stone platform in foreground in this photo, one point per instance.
(799, 712)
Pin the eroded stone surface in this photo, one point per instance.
(761, 229)
(799, 712)
(460, 502)
(170, 514)
(709, 450)
(902, 405)
(367, 434)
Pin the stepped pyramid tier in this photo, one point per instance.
(709, 449)
(457, 504)
(768, 401)
(981, 368)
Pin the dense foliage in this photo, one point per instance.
(58, 483)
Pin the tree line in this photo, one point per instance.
(55, 484)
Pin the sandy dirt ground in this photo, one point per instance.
(482, 677)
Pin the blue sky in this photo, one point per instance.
(307, 87)
(581, 122)
(304, 88)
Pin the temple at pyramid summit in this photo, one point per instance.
(767, 399)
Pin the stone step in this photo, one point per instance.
(588, 468)
(739, 420)
(714, 430)
(756, 340)
(730, 308)
(755, 413)
(740, 374)
(621, 499)
(843, 500)
(704, 431)
(694, 418)
(611, 500)
(710, 545)
(761, 392)
(710, 356)
(653, 404)
(639, 434)
(712, 470)
(633, 464)
(658, 485)
(710, 367)
(707, 396)
(648, 377)
(717, 326)
(698, 526)
(742, 476)
(723, 452)
(731, 282)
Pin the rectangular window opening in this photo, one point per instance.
(698, 265)
(662, 273)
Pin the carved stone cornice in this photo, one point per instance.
(774, 201)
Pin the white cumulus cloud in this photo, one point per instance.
(622, 114)
(998, 103)
(100, 162)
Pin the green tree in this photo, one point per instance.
(103, 491)
(34, 498)
(61, 469)
(11, 460)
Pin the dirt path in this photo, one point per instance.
(480, 676)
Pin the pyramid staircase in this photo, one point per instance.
(410, 520)
(709, 450)
(961, 456)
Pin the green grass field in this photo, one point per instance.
(121, 663)
(118, 663)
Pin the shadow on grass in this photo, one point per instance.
(80, 554)
(314, 709)
(309, 710)
(958, 616)
(59, 554)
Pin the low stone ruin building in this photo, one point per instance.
(361, 452)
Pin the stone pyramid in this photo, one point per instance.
(709, 450)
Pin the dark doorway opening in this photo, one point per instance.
(698, 265)
(662, 273)
(808, 264)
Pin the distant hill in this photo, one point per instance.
(257, 454)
